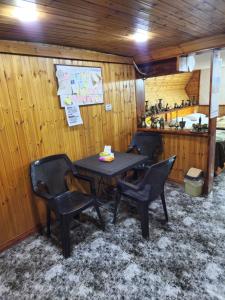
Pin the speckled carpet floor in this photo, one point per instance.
(184, 259)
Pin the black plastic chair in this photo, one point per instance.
(146, 143)
(48, 177)
(146, 191)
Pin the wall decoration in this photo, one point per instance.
(73, 115)
(80, 85)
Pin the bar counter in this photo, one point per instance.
(190, 148)
(174, 131)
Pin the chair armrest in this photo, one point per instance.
(88, 179)
(130, 149)
(124, 185)
(42, 193)
(133, 148)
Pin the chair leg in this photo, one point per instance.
(99, 215)
(117, 201)
(48, 221)
(65, 236)
(164, 205)
(143, 210)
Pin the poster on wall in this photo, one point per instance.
(216, 83)
(80, 85)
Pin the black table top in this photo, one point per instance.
(122, 163)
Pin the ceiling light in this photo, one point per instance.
(25, 12)
(140, 36)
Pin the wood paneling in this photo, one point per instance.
(191, 151)
(32, 125)
(222, 110)
(192, 87)
(106, 26)
(140, 97)
(159, 68)
(204, 109)
(44, 50)
(170, 88)
(215, 41)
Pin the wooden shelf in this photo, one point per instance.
(178, 112)
(175, 131)
(176, 109)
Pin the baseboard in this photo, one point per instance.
(19, 238)
(179, 181)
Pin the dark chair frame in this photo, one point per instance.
(153, 149)
(55, 202)
(146, 191)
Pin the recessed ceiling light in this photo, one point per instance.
(140, 36)
(25, 11)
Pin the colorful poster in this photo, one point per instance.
(84, 85)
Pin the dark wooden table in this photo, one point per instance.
(122, 163)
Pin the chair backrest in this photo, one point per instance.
(156, 176)
(51, 171)
(148, 143)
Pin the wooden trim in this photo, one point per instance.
(179, 181)
(19, 238)
(46, 50)
(211, 139)
(159, 68)
(174, 132)
(140, 97)
(215, 41)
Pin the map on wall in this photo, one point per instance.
(80, 85)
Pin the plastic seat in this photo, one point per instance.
(146, 191)
(48, 177)
(146, 143)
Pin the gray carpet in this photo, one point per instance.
(184, 259)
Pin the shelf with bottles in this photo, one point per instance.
(159, 114)
(159, 109)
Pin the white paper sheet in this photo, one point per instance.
(216, 84)
(64, 88)
(73, 115)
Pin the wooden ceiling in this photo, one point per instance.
(105, 25)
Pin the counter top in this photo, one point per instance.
(175, 131)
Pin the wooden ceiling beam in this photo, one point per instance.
(216, 41)
(45, 50)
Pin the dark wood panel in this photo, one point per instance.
(192, 87)
(158, 68)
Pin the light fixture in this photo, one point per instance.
(140, 36)
(25, 11)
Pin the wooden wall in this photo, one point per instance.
(187, 155)
(204, 109)
(32, 125)
(170, 88)
(178, 113)
(192, 87)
